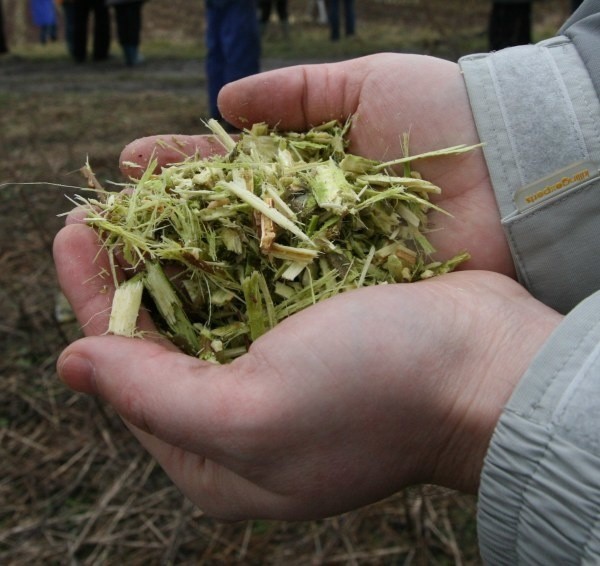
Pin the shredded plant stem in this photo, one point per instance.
(227, 246)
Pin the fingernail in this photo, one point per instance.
(77, 372)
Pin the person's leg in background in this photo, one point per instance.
(264, 8)
(68, 17)
(510, 24)
(3, 42)
(282, 14)
(81, 12)
(101, 46)
(333, 14)
(233, 46)
(129, 26)
(241, 41)
(349, 18)
(215, 62)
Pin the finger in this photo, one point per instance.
(299, 97)
(179, 399)
(295, 98)
(86, 277)
(220, 492)
(222, 412)
(167, 150)
(194, 417)
(168, 415)
(189, 414)
(77, 215)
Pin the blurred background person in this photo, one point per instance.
(316, 11)
(82, 10)
(68, 19)
(266, 7)
(333, 14)
(509, 24)
(3, 42)
(43, 15)
(128, 15)
(232, 46)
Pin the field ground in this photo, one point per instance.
(75, 487)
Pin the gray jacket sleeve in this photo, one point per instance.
(539, 497)
(537, 110)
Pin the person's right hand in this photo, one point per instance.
(338, 406)
(388, 94)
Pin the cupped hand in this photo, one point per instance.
(389, 95)
(338, 406)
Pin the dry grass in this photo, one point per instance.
(74, 485)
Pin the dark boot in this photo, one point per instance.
(131, 54)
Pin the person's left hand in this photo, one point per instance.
(389, 95)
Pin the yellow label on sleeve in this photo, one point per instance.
(559, 182)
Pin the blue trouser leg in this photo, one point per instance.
(215, 63)
(233, 47)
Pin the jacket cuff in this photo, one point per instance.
(539, 500)
(537, 114)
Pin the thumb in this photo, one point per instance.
(166, 150)
(187, 413)
(298, 97)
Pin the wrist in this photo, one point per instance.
(499, 335)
